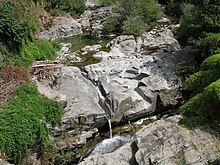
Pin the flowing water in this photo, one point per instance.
(110, 145)
(110, 128)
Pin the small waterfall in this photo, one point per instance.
(110, 145)
(110, 128)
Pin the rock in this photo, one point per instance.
(86, 135)
(164, 142)
(92, 48)
(2, 162)
(91, 3)
(97, 18)
(125, 43)
(63, 27)
(163, 20)
(81, 98)
(121, 157)
(65, 54)
(160, 40)
(133, 85)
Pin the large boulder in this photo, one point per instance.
(79, 97)
(164, 142)
(64, 26)
(97, 18)
(134, 85)
(160, 40)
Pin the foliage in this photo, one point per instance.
(23, 122)
(212, 62)
(113, 24)
(12, 30)
(199, 17)
(107, 2)
(203, 108)
(74, 7)
(198, 81)
(37, 50)
(130, 26)
(140, 11)
(208, 43)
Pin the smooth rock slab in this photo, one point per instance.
(81, 98)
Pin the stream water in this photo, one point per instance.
(79, 42)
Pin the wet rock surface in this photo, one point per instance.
(164, 142)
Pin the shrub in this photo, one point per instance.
(126, 11)
(113, 24)
(134, 26)
(13, 31)
(23, 122)
(208, 43)
(212, 62)
(189, 24)
(74, 7)
(204, 107)
(199, 80)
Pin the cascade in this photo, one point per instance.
(110, 128)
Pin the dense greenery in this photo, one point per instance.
(204, 86)
(24, 122)
(74, 7)
(18, 21)
(132, 17)
(14, 30)
(200, 27)
(203, 108)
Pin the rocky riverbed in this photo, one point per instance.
(133, 78)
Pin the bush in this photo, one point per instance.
(125, 11)
(208, 43)
(23, 122)
(203, 108)
(134, 26)
(113, 24)
(74, 7)
(12, 30)
(199, 17)
(199, 80)
(212, 62)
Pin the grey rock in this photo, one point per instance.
(65, 54)
(164, 142)
(86, 135)
(91, 3)
(97, 18)
(64, 27)
(125, 43)
(91, 48)
(133, 85)
(121, 156)
(81, 98)
(160, 40)
(2, 162)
